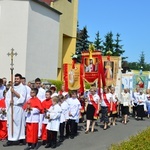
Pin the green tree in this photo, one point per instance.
(84, 39)
(78, 40)
(140, 63)
(82, 42)
(97, 42)
(142, 60)
(147, 67)
(118, 51)
(133, 65)
(108, 44)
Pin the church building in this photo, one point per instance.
(42, 32)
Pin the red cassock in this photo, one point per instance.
(32, 128)
(3, 123)
(113, 107)
(46, 104)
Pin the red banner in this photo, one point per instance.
(73, 77)
(66, 76)
(91, 77)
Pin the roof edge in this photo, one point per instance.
(47, 6)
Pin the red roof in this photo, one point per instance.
(47, 1)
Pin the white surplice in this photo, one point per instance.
(41, 97)
(18, 114)
(53, 123)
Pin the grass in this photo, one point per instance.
(141, 141)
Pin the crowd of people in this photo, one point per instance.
(29, 113)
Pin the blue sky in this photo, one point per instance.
(129, 18)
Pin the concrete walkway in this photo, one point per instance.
(100, 139)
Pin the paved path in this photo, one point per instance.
(99, 140)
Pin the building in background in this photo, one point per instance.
(44, 37)
(68, 30)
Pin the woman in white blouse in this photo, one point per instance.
(141, 105)
(125, 100)
(92, 109)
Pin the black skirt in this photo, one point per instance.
(90, 112)
(104, 111)
(140, 111)
(125, 110)
(113, 114)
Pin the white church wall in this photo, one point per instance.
(42, 42)
(13, 34)
(33, 31)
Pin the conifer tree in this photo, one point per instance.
(118, 51)
(142, 60)
(97, 42)
(108, 44)
(82, 43)
(84, 39)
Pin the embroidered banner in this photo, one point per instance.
(73, 78)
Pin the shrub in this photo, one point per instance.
(87, 85)
(141, 141)
(57, 83)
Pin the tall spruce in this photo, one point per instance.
(98, 42)
(82, 42)
(108, 44)
(142, 60)
(118, 51)
(84, 39)
(78, 41)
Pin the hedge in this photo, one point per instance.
(59, 83)
(141, 141)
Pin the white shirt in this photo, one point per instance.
(41, 94)
(54, 121)
(141, 97)
(135, 97)
(33, 116)
(125, 99)
(74, 107)
(108, 96)
(114, 97)
(147, 98)
(28, 90)
(96, 98)
(65, 112)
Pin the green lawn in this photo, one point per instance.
(141, 141)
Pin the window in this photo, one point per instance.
(70, 1)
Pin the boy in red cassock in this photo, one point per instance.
(46, 104)
(33, 108)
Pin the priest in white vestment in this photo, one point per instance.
(19, 94)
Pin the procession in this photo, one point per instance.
(61, 88)
(33, 112)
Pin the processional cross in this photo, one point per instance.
(12, 54)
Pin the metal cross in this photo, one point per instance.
(12, 54)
